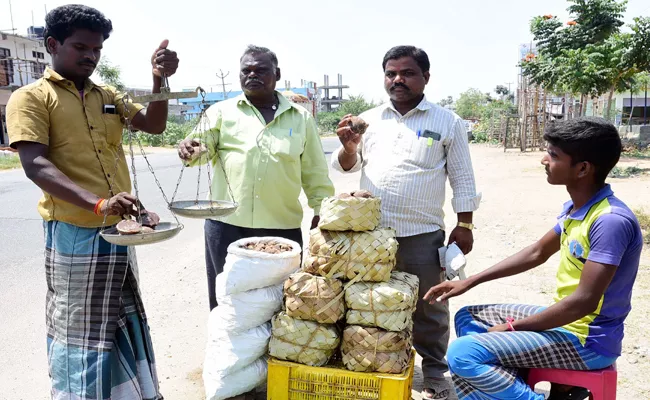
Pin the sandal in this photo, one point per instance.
(436, 389)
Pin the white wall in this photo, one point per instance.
(21, 47)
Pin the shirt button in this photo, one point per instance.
(259, 179)
(257, 197)
(99, 151)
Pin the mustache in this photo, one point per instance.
(399, 85)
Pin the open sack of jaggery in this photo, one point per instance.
(387, 305)
(314, 298)
(258, 262)
(376, 350)
(304, 342)
(346, 255)
(357, 211)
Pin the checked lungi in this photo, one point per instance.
(486, 365)
(98, 341)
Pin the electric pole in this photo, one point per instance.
(509, 91)
(223, 76)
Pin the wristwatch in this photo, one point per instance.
(466, 225)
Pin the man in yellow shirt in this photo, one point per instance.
(68, 132)
(271, 150)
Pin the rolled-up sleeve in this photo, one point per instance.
(314, 172)
(460, 171)
(358, 165)
(28, 119)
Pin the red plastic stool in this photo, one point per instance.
(601, 383)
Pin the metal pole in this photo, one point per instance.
(645, 106)
(629, 121)
(11, 15)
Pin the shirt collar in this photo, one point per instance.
(54, 76)
(581, 213)
(424, 105)
(284, 105)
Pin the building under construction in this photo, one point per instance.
(328, 102)
(23, 60)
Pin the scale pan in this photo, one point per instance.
(203, 209)
(162, 232)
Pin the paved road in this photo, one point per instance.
(172, 273)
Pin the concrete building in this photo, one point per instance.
(23, 60)
(195, 103)
(623, 104)
(331, 103)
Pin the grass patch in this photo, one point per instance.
(9, 162)
(626, 172)
(644, 221)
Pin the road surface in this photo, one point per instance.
(172, 279)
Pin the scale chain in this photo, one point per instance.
(155, 179)
(111, 192)
(178, 184)
(135, 179)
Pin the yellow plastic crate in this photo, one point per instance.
(291, 381)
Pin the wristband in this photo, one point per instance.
(509, 321)
(98, 207)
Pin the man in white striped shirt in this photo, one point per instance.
(405, 156)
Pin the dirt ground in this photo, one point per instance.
(518, 207)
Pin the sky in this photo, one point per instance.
(470, 43)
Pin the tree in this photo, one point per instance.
(591, 56)
(355, 106)
(502, 90)
(505, 94)
(328, 121)
(470, 104)
(110, 74)
(446, 102)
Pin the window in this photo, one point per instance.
(6, 68)
(37, 69)
(38, 55)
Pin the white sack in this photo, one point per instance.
(237, 383)
(247, 269)
(227, 353)
(245, 310)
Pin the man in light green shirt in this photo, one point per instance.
(271, 150)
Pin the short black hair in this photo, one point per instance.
(252, 49)
(61, 22)
(590, 139)
(419, 55)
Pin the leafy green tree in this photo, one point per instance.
(590, 56)
(446, 102)
(328, 121)
(471, 103)
(110, 74)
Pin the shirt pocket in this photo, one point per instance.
(287, 147)
(114, 129)
(425, 155)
